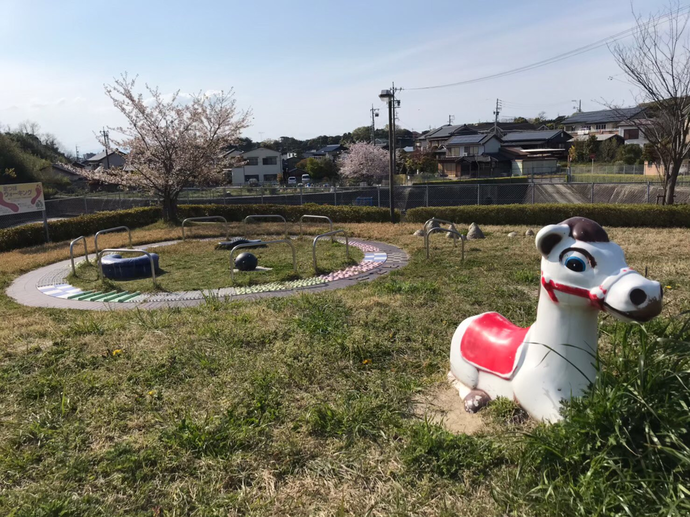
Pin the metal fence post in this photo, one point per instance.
(378, 191)
(335, 195)
(262, 195)
(426, 199)
(301, 194)
(532, 186)
(592, 194)
(86, 208)
(479, 188)
(648, 192)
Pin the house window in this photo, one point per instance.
(249, 177)
(270, 177)
(570, 128)
(471, 150)
(252, 161)
(270, 160)
(631, 134)
(453, 151)
(449, 168)
(600, 126)
(586, 128)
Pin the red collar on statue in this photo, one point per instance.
(551, 287)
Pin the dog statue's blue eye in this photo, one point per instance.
(575, 264)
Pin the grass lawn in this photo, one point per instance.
(308, 405)
(195, 264)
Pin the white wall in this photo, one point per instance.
(239, 174)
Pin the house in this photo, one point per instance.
(332, 151)
(526, 162)
(106, 160)
(614, 121)
(435, 138)
(261, 165)
(544, 139)
(601, 137)
(472, 155)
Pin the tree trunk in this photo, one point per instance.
(170, 209)
(671, 187)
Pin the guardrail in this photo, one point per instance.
(71, 252)
(254, 245)
(99, 255)
(108, 230)
(447, 230)
(323, 217)
(274, 216)
(208, 219)
(313, 246)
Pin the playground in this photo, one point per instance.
(326, 398)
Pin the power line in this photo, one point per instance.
(553, 59)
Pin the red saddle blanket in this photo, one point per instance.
(491, 343)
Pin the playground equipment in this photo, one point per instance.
(272, 216)
(246, 262)
(116, 268)
(108, 230)
(253, 245)
(331, 234)
(459, 236)
(71, 252)
(554, 359)
(207, 219)
(321, 217)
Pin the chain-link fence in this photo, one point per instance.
(405, 197)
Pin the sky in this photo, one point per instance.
(306, 68)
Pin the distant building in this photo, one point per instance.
(544, 139)
(607, 122)
(262, 165)
(112, 159)
(435, 138)
(68, 172)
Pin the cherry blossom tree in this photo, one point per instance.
(171, 142)
(364, 162)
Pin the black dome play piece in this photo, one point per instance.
(246, 262)
(117, 268)
(228, 245)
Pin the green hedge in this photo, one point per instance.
(652, 216)
(338, 214)
(68, 229)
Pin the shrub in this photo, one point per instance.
(68, 229)
(652, 216)
(339, 214)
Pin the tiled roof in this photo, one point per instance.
(602, 116)
(468, 139)
(521, 136)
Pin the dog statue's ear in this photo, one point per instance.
(549, 237)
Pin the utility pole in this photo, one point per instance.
(374, 113)
(389, 97)
(451, 119)
(76, 148)
(106, 142)
(496, 113)
(579, 105)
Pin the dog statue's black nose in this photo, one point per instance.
(638, 296)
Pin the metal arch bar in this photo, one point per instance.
(435, 220)
(454, 232)
(108, 230)
(315, 217)
(71, 252)
(272, 216)
(99, 254)
(208, 218)
(254, 245)
(313, 246)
